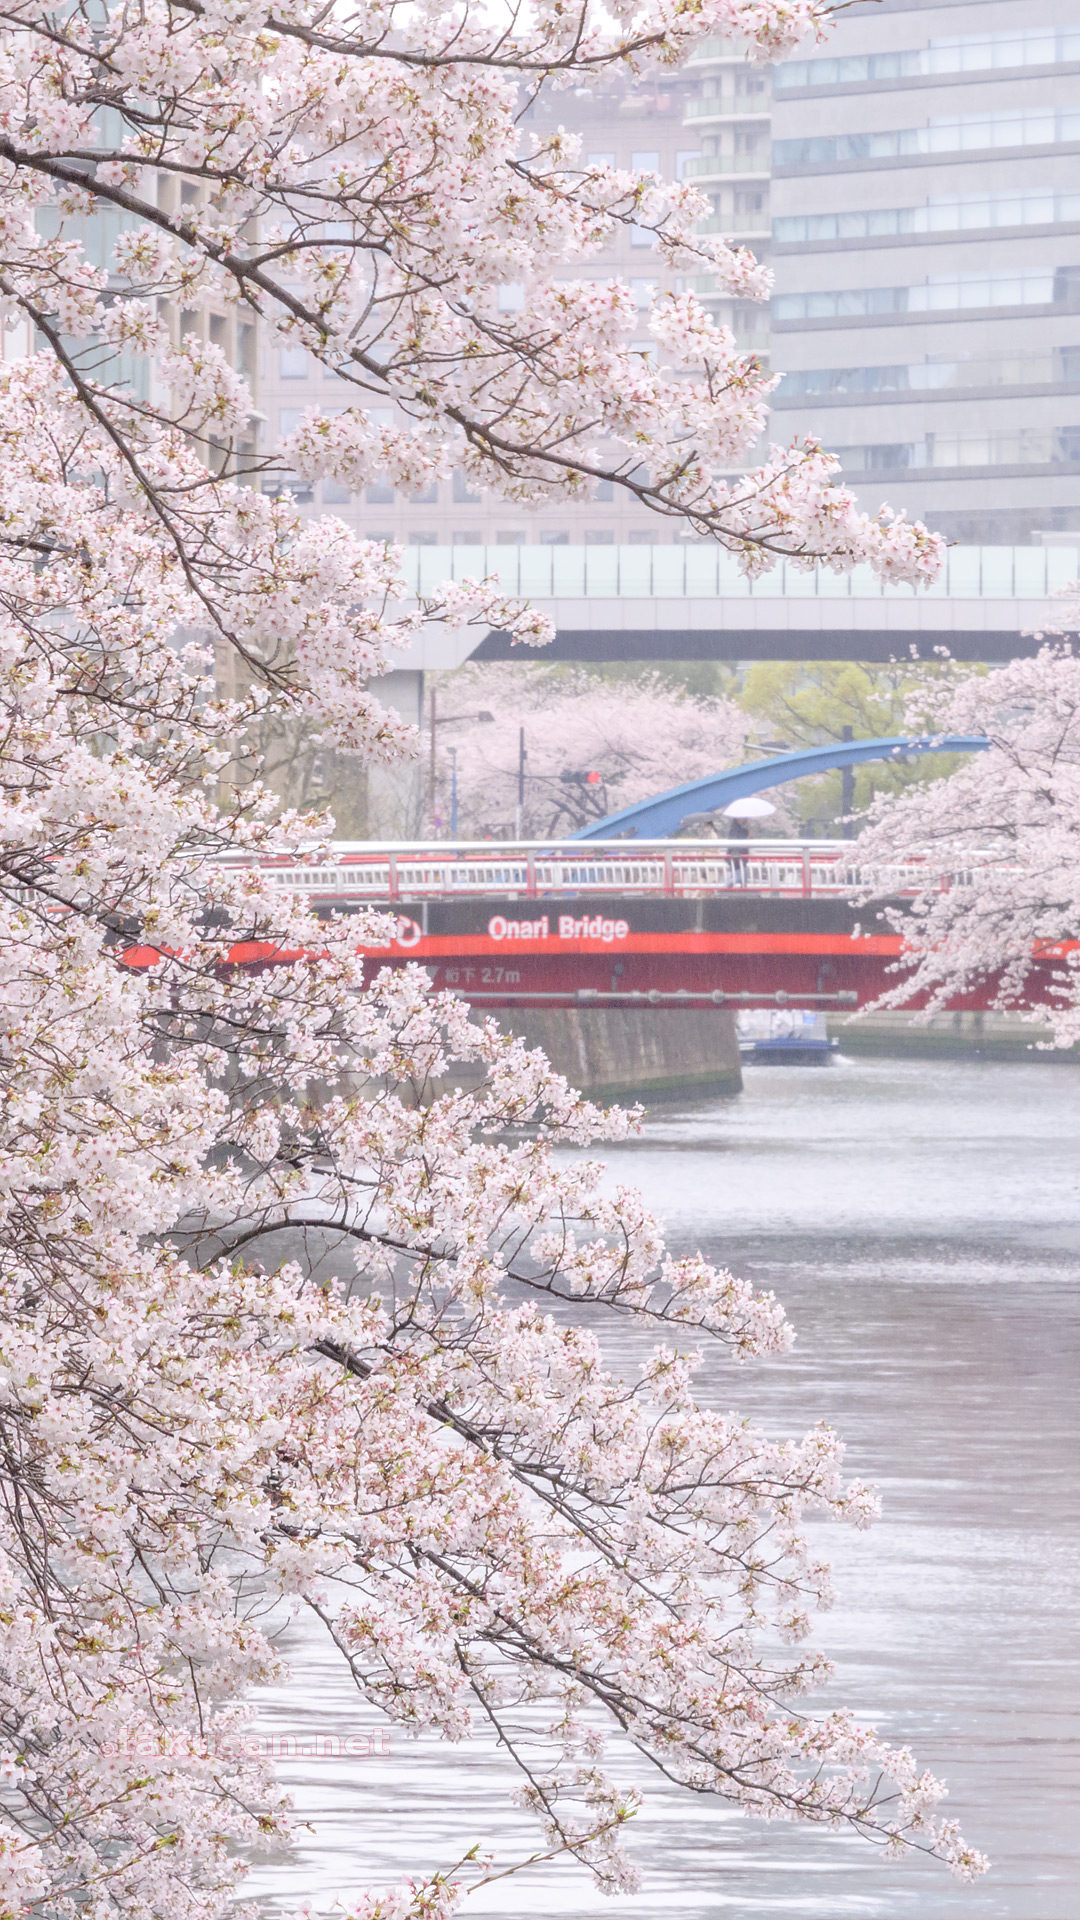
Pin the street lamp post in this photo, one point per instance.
(435, 721)
(522, 757)
(847, 793)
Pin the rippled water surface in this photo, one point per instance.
(922, 1224)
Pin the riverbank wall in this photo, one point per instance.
(636, 1053)
(960, 1036)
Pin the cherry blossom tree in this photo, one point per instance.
(427, 1454)
(633, 736)
(999, 841)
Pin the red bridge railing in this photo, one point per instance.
(665, 869)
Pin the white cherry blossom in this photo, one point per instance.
(202, 1080)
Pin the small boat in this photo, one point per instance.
(789, 1036)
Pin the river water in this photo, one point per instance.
(921, 1221)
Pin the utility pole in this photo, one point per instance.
(431, 773)
(522, 757)
(453, 792)
(847, 792)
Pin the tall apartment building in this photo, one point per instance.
(926, 245)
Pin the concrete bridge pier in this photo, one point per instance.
(635, 1053)
(397, 799)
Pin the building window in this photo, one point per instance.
(643, 537)
(970, 132)
(292, 363)
(245, 351)
(599, 537)
(429, 497)
(379, 494)
(510, 537)
(277, 483)
(969, 211)
(968, 53)
(423, 539)
(334, 494)
(549, 538)
(468, 537)
(461, 493)
(645, 162)
(605, 490)
(937, 295)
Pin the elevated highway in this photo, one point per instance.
(690, 602)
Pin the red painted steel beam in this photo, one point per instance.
(538, 954)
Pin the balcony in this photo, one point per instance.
(722, 166)
(714, 51)
(727, 106)
(737, 228)
(707, 571)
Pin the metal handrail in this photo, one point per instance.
(665, 869)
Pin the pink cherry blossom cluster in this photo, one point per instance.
(208, 1102)
(637, 737)
(999, 840)
(365, 191)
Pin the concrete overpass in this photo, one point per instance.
(690, 602)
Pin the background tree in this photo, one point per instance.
(200, 1431)
(806, 704)
(637, 736)
(1000, 841)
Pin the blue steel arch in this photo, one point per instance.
(655, 819)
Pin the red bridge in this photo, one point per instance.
(660, 924)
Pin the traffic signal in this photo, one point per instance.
(579, 777)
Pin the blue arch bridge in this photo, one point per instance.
(665, 812)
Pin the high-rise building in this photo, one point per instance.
(926, 245)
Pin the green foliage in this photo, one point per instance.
(808, 703)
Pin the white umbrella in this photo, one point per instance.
(749, 809)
